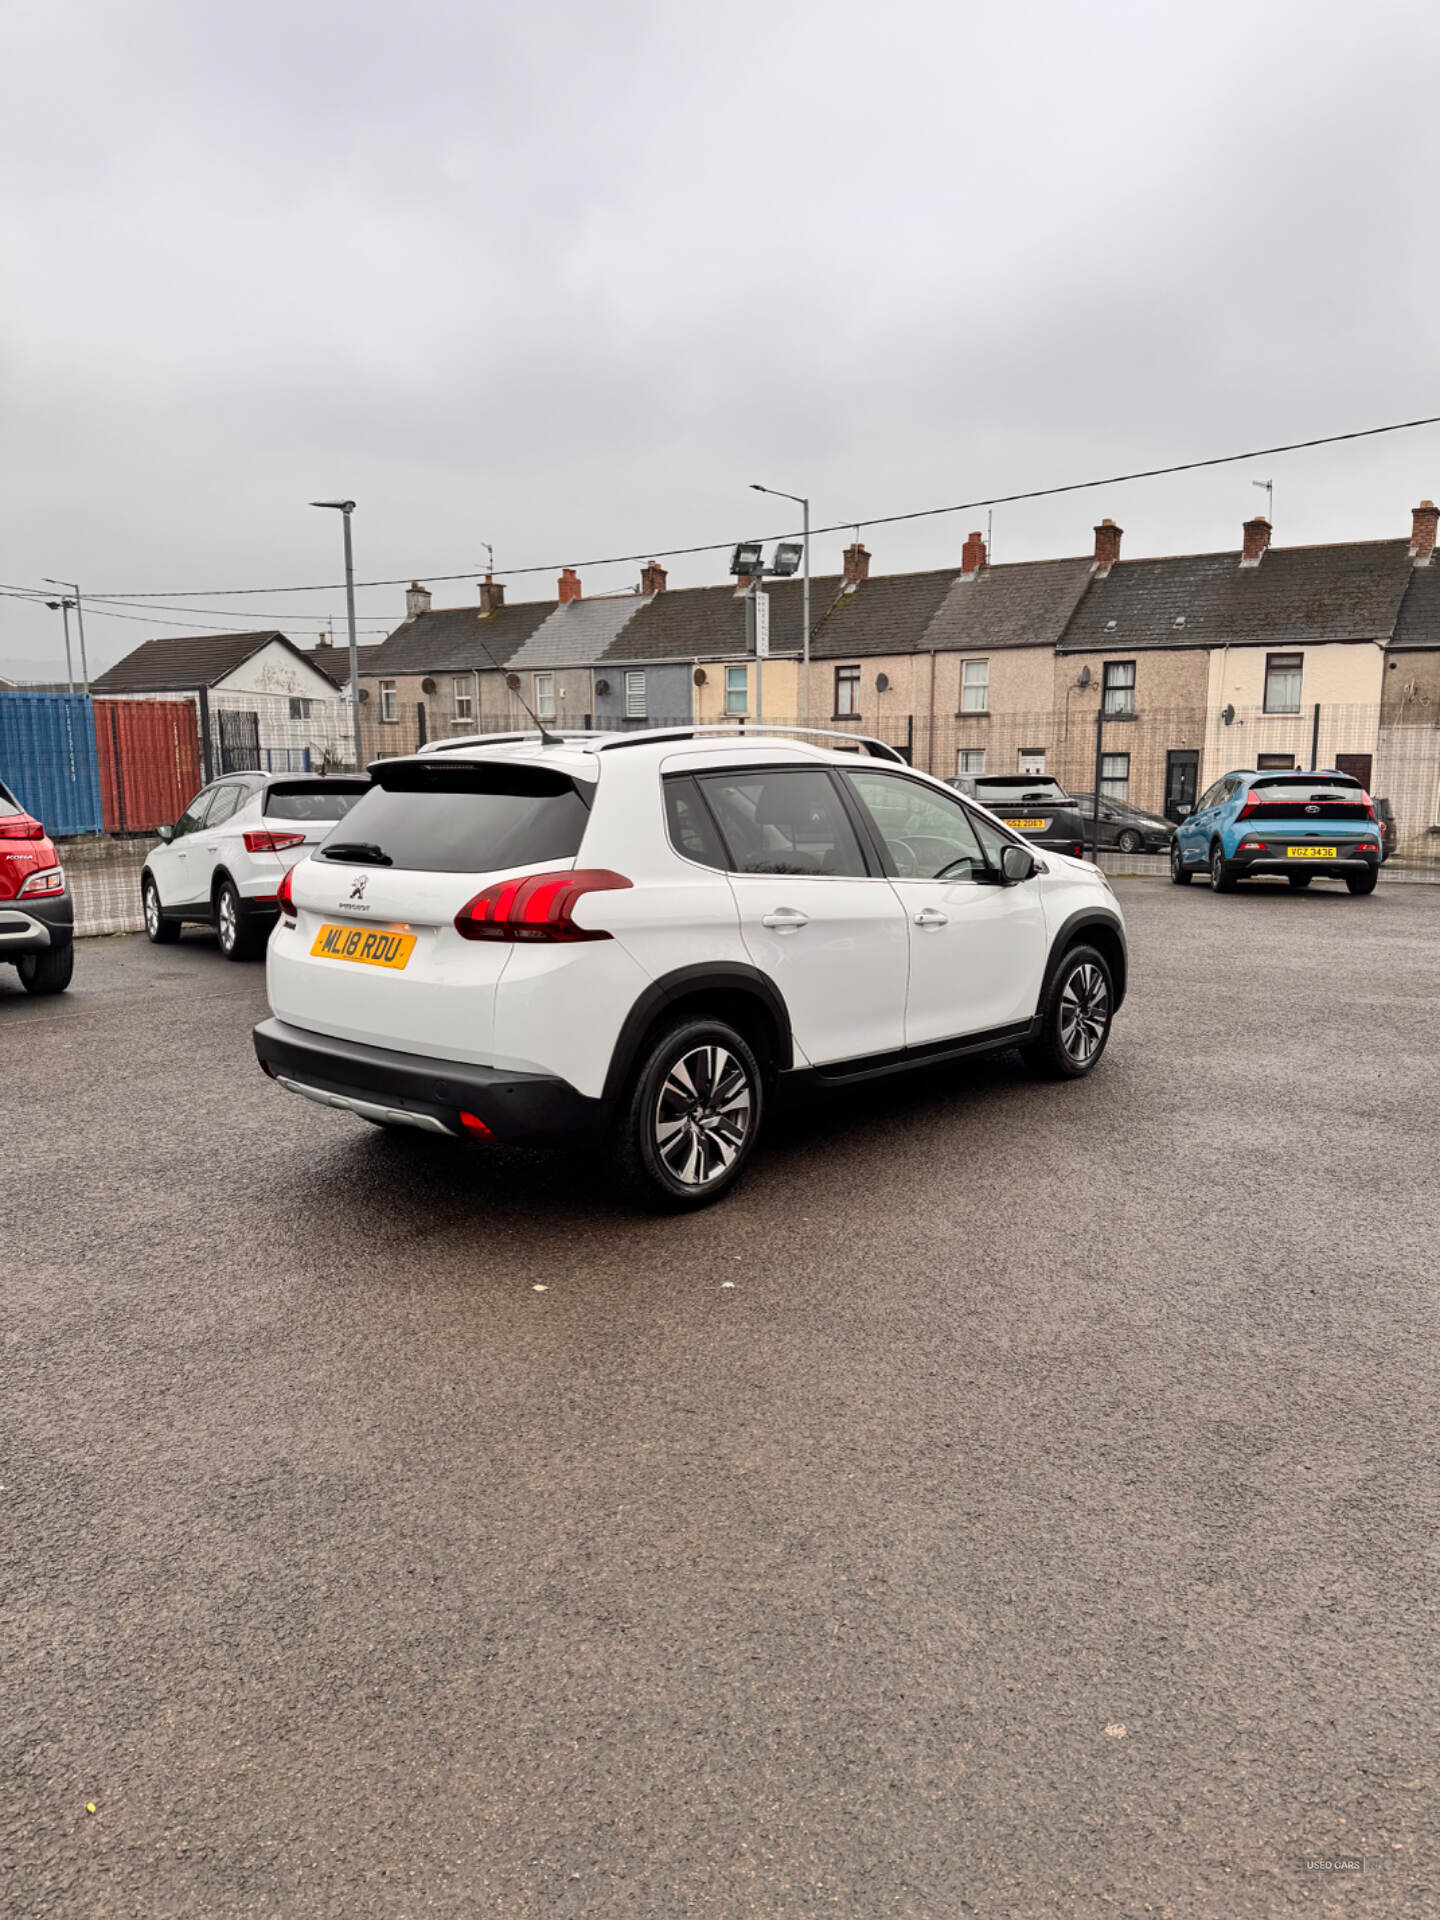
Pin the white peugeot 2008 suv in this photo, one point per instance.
(639, 938)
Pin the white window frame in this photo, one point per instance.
(542, 688)
(389, 701)
(975, 686)
(463, 690)
(737, 685)
(1114, 786)
(634, 693)
(970, 760)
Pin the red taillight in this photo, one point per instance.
(472, 1123)
(49, 880)
(264, 842)
(1252, 805)
(1368, 804)
(17, 827)
(537, 906)
(282, 895)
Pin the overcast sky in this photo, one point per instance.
(566, 277)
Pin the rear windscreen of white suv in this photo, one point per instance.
(313, 802)
(439, 817)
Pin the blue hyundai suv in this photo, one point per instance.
(1298, 824)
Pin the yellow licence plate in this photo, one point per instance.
(1028, 826)
(371, 946)
(1310, 853)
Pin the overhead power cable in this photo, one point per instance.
(839, 526)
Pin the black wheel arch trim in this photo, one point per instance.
(685, 982)
(1069, 935)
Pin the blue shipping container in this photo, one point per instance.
(48, 759)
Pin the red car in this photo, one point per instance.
(37, 914)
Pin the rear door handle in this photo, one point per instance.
(931, 917)
(785, 920)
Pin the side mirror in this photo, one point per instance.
(1184, 811)
(1016, 863)
(166, 833)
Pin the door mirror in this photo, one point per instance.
(1016, 863)
(166, 833)
(1184, 812)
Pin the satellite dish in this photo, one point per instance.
(602, 686)
(700, 676)
(1085, 677)
(1227, 714)
(427, 686)
(364, 695)
(882, 681)
(512, 680)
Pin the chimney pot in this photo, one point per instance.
(652, 578)
(417, 600)
(972, 554)
(1257, 539)
(492, 595)
(569, 585)
(1107, 545)
(857, 564)
(1422, 538)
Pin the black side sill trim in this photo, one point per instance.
(873, 1066)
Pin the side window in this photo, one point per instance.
(226, 800)
(927, 835)
(1210, 797)
(784, 820)
(692, 831)
(193, 818)
(990, 837)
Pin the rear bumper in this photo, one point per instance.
(1281, 862)
(413, 1089)
(32, 926)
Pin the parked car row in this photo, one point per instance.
(1040, 808)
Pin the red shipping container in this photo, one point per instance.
(149, 753)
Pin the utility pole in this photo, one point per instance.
(345, 508)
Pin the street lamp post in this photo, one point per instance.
(747, 562)
(80, 624)
(346, 508)
(62, 607)
(804, 505)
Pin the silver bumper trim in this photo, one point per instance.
(367, 1109)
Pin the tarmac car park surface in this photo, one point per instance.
(1001, 1499)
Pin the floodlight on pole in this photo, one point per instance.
(62, 607)
(746, 558)
(801, 501)
(346, 508)
(80, 625)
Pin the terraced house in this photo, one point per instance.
(1151, 676)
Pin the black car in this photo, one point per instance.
(1034, 804)
(1129, 828)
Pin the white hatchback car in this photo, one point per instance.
(638, 938)
(222, 860)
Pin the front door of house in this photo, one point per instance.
(1182, 772)
(1357, 765)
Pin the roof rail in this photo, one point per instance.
(608, 742)
(502, 739)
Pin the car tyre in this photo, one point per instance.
(1363, 882)
(688, 1124)
(1299, 881)
(49, 971)
(158, 930)
(1222, 874)
(1075, 1018)
(1129, 841)
(1180, 874)
(235, 928)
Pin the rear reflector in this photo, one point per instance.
(282, 895)
(473, 1124)
(538, 906)
(266, 842)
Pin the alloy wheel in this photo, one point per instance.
(225, 919)
(703, 1115)
(1084, 1013)
(152, 911)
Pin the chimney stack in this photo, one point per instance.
(1107, 545)
(1422, 539)
(972, 555)
(492, 595)
(652, 578)
(569, 586)
(417, 600)
(1257, 539)
(857, 564)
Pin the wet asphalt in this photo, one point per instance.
(1014, 1500)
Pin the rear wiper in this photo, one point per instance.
(364, 851)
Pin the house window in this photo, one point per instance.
(1032, 760)
(847, 693)
(464, 690)
(1282, 682)
(1119, 686)
(974, 686)
(737, 689)
(1115, 776)
(389, 705)
(635, 696)
(301, 709)
(544, 687)
(970, 760)
(1275, 762)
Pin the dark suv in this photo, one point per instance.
(1033, 804)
